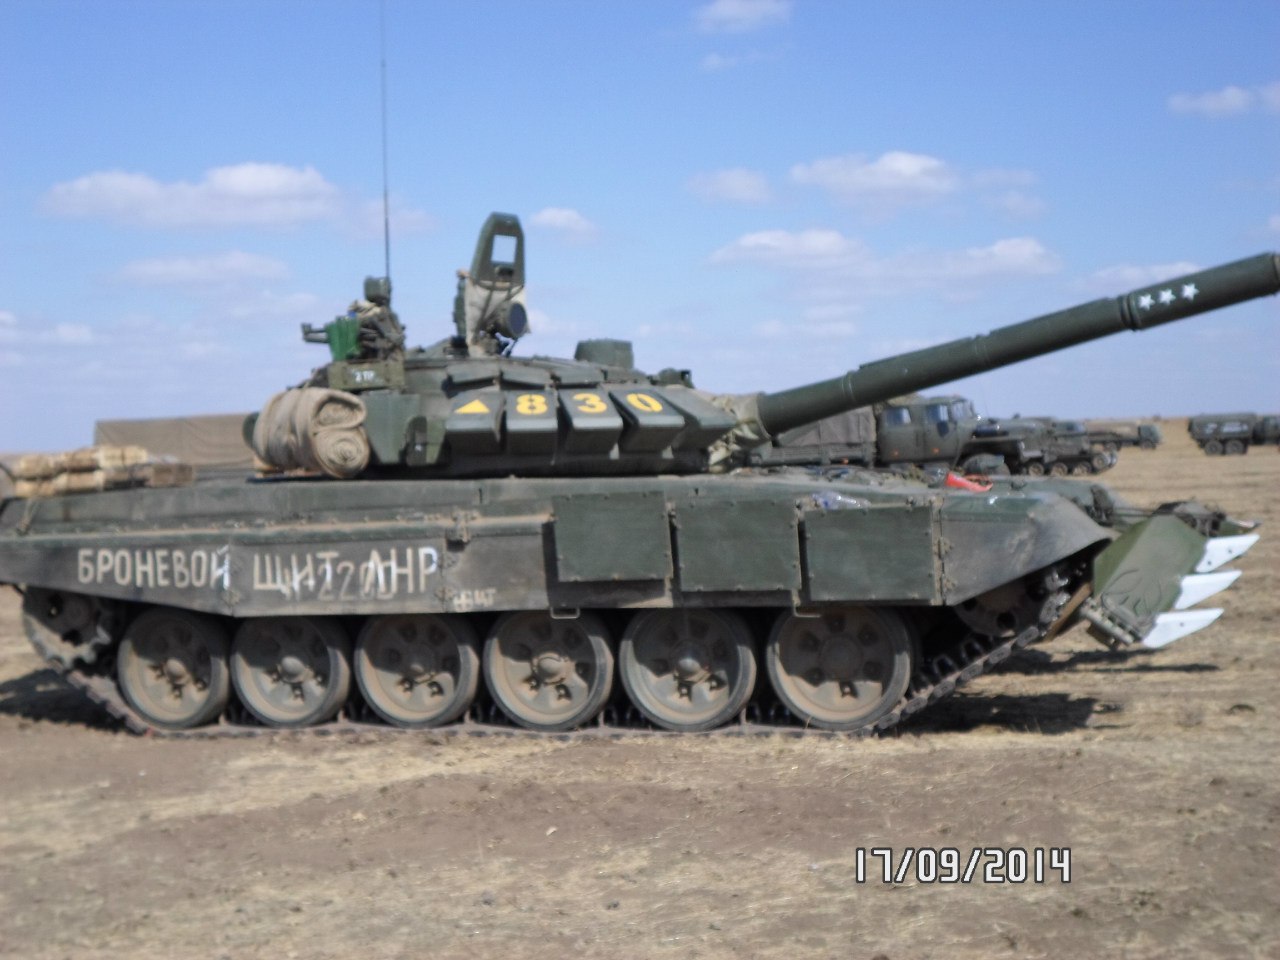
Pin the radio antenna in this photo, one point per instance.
(386, 206)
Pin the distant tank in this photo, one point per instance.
(456, 527)
(1115, 435)
(1233, 433)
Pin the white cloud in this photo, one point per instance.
(806, 249)
(1009, 192)
(894, 178)
(716, 62)
(741, 16)
(785, 329)
(1016, 256)
(229, 267)
(567, 221)
(1017, 204)
(1230, 101)
(37, 333)
(263, 194)
(736, 185)
(1269, 97)
(291, 306)
(1123, 278)
(367, 220)
(899, 178)
(835, 269)
(73, 334)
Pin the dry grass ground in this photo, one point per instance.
(1159, 771)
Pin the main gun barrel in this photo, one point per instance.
(1140, 310)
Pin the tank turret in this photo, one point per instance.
(466, 407)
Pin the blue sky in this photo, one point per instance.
(768, 192)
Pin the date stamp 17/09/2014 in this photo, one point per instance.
(951, 865)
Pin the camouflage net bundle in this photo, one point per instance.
(313, 429)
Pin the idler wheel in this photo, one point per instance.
(688, 670)
(172, 668)
(417, 670)
(291, 671)
(1007, 610)
(548, 674)
(842, 670)
(71, 628)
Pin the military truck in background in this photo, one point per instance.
(1233, 433)
(940, 431)
(1114, 435)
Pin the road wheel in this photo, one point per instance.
(1035, 468)
(172, 668)
(1100, 461)
(548, 674)
(842, 670)
(1213, 447)
(291, 671)
(688, 670)
(417, 670)
(1235, 448)
(1058, 469)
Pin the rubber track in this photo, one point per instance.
(933, 681)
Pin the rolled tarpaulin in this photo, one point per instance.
(315, 429)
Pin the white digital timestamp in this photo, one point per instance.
(950, 865)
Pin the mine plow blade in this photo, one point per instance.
(1202, 586)
(1222, 550)
(1174, 626)
(1146, 583)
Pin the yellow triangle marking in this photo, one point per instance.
(475, 406)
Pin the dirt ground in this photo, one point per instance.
(1157, 770)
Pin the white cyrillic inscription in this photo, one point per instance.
(382, 574)
(155, 567)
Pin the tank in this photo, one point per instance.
(457, 536)
(1060, 447)
(1113, 435)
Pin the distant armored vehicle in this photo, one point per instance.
(1233, 433)
(1114, 435)
(456, 526)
